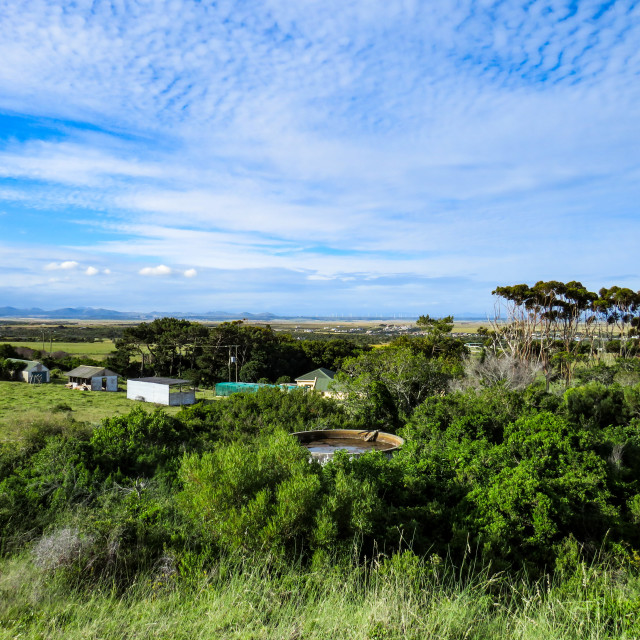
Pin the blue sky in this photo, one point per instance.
(315, 157)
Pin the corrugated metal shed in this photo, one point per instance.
(167, 391)
(30, 364)
(86, 371)
(30, 371)
(165, 381)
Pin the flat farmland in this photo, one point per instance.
(95, 350)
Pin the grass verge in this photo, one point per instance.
(251, 601)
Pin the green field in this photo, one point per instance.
(95, 350)
(20, 401)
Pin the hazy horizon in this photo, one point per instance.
(47, 314)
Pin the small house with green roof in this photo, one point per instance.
(30, 371)
(318, 380)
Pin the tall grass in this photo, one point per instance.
(248, 599)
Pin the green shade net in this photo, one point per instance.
(227, 388)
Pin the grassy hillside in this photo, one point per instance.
(19, 401)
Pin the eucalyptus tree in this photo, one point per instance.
(543, 323)
(621, 308)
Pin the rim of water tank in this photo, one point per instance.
(304, 437)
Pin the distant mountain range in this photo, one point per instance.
(90, 313)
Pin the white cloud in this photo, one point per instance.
(65, 266)
(337, 140)
(106, 271)
(160, 270)
(91, 271)
(80, 163)
(190, 273)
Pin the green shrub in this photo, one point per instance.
(140, 443)
(548, 481)
(43, 481)
(258, 497)
(246, 415)
(596, 405)
(61, 406)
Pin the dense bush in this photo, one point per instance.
(508, 475)
(47, 473)
(596, 405)
(141, 443)
(382, 388)
(245, 415)
(253, 497)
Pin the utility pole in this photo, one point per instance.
(232, 359)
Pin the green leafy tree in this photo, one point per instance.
(383, 387)
(541, 321)
(620, 306)
(8, 351)
(6, 369)
(329, 354)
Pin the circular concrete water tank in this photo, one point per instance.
(322, 444)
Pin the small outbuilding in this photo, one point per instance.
(167, 391)
(92, 378)
(318, 380)
(30, 371)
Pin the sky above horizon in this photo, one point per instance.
(315, 157)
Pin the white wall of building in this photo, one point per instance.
(147, 391)
(158, 393)
(112, 383)
(28, 376)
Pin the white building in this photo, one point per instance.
(30, 371)
(167, 391)
(94, 378)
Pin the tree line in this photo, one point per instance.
(206, 355)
